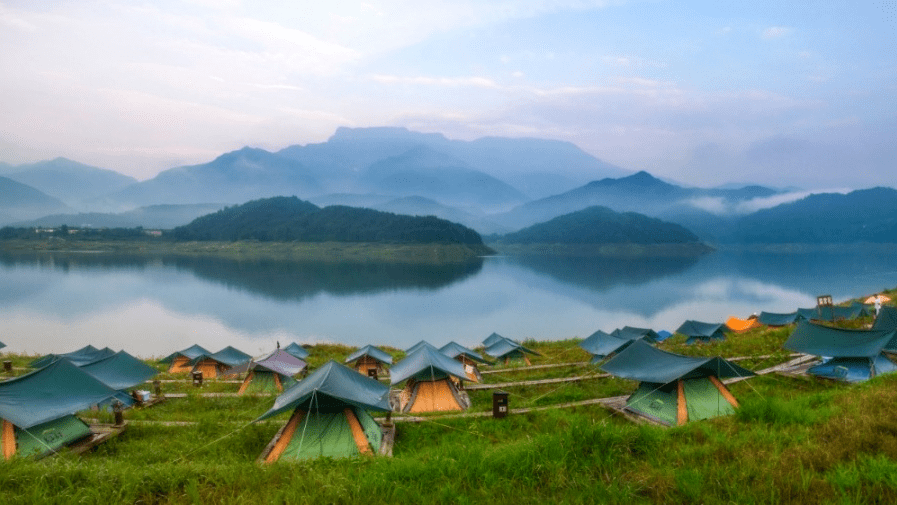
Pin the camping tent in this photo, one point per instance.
(296, 350)
(468, 357)
(776, 319)
(834, 312)
(417, 346)
(507, 350)
(493, 338)
(632, 333)
(886, 319)
(430, 386)
(739, 325)
(674, 389)
(37, 409)
(213, 365)
(273, 373)
(121, 371)
(370, 360)
(179, 362)
(855, 355)
(601, 345)
(2, 345)
(330, 417)
(698, 332)
(82, 356)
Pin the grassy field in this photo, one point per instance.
(794, 440)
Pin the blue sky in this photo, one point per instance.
(705, 93)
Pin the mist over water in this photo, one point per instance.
(154, 305)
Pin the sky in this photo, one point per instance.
(799, 94)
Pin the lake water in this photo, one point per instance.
(154, 305)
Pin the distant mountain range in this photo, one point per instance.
(493, 185)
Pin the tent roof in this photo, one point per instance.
(632, 333)
(821, 340)
(454, 349)
(280, 361)
(228, 356)
(643, 362)
(332, 383)
(492, 339)
(120, 371)
(296, 350)
(59, 389)
(886, 319)
(426, 361)
(191, 352)
(373, 352)
(604, 344)
(777, 319)
(418, 346)
(2, 345)
(699, 329)
(504, 347)
(82, 356)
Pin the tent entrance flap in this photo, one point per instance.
(50, 436)
(331, 434)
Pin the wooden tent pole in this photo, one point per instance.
(9, 440)
(285, 436)
(723, 390)
(361, 440)
(681, 408)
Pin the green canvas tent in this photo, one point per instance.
(296, 350)
(851, 355)
(632, 333)
(121, 371)
(674, 389)
(507, 350)
(699, 332)
(271, 374)
(37, 409)
(468, 357)
(493, 338)
(179, 362)
(886, 319)
(430, 382)
(2, 345)
(370, 361)
(86, 354)
(834, 312)
(602, 345)
(329, 416)
(218, 364)
(776, 319)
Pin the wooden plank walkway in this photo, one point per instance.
(559, 380)
(533, 367)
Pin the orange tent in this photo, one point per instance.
(742, 325)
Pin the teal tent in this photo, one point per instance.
(602, 345)
(272, 373)
(675, 389)
(121, 371)
(886, 319)
(86, 354)
(777, 319)
(430, 384)
(179, 362)
(468, 357)
(699, 332)
(850, 355)
(834, 312)
(330, 417)
(370, 360)
(493, 338)
(507, 350)
(37, 409)
(417, 346)
(213, 365)
(632, 333)
(2, 345)
(296, 350)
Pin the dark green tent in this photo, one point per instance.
(850, 355)
(214, 365)
(886, 319)
(777, 319)
(507, 350)
(674, 389)
(330, 417)
(121, 371)
(633, 333)
(468, 357)
(296, 350)
(417, 346)
(37, 409)
(2, 345)
(834, 312)
(179, 362)
(271, 374)
(370, 360)
(699, 332)
(601, 345)
(429, 384)
(493, 338)
(83, 356)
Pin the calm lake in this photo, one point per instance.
(154, 305)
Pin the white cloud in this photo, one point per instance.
(775, 32)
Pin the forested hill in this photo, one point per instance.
(600, 225)
(287, 219)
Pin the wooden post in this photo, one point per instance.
(138, 400)
(681, 407)
(285, 436)
(361, 440)
(157, 388)
(117, 411)
(723, 390)
(7, 366)
(9, 440)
